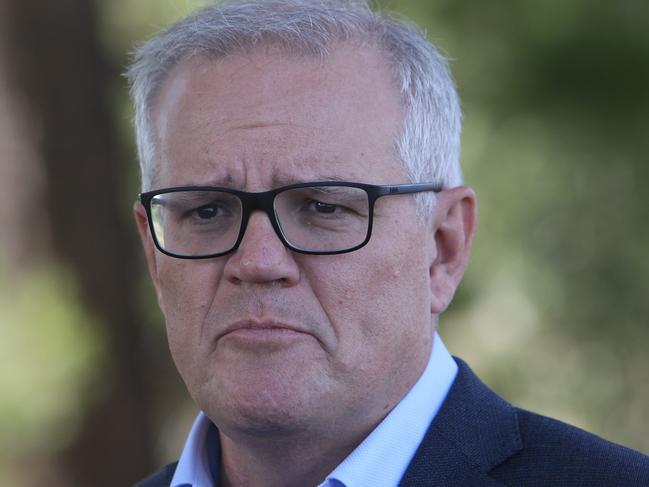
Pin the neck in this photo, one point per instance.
(253, 461)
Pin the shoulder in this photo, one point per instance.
(161, 478)
(561, 454)
(483, 440)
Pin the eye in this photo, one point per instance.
(211, 213)
(206, 212)
(321, 207)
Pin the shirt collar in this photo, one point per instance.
(375, 461)
(193, 467)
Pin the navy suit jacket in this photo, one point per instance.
(478, 439)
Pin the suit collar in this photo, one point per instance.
(474, 431)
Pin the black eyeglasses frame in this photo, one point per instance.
(263, 201)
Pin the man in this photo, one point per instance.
(305, 225)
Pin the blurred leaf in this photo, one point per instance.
(49, 353)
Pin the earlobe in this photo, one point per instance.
(452, 226)
(142, 223)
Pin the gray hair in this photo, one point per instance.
(429, 143)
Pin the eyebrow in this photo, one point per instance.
(183, 198)
(285, 181)
(334, 190)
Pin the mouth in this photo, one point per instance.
(262, 332)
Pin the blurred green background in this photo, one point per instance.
(553, 313)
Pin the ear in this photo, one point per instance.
(142, 223)
(453, 226)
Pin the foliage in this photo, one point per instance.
(50, 353)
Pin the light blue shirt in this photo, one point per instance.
(380, 460)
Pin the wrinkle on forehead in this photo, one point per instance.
(281, 176)
(287, 118)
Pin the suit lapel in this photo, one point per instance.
(474, 431)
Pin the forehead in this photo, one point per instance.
(269, 117)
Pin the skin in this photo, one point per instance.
(330, 343)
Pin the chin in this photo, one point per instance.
(272, 421)
(262, 406)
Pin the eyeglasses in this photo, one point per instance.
(199, 222)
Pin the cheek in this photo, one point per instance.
(186, 290)
(372, 301)
(380, 315)
(187, 285)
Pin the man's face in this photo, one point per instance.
(268, 340)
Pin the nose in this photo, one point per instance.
(261, 256)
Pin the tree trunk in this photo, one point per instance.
(53, 63)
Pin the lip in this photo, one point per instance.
(261, 329)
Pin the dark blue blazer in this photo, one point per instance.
(478, 439)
